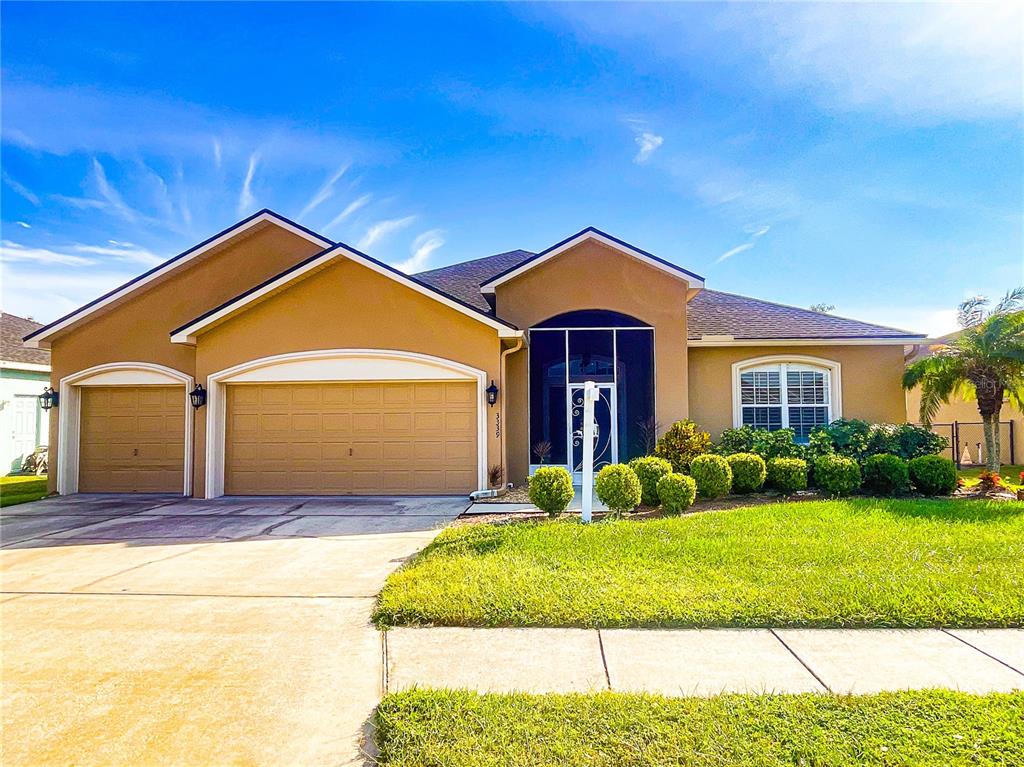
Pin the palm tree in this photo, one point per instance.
(984, 361)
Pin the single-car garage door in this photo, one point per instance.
(132, 439)
(408, 437)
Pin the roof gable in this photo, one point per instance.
(187, 333)
(40, 338)
(590, 233)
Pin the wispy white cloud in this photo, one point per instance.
(422, 248)
(351, 208)
(734, 251)
(324, 192)
(755, 233)
(21, 189)
(13, 251)
(382, 229)
(81, 203)
(24, 224)
(110, 194)
(126, 251)
(921, 62)
(218, 157)
(647, 142)
(245, 198)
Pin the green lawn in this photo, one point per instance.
(1010, 472)
(421, 728)
(856, 562)
(21, 489)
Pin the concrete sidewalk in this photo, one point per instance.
(705, 661)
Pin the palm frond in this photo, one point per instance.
(1013, 301)
(971, 312)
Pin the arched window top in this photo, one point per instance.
(592, 318)
(786, 392)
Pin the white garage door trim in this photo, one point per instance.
(333, 365)
(69, 411)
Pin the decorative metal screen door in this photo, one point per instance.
(605, 438)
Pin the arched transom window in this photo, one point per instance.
(797, 393)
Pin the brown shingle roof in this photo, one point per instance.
(714, 313)
(12, 329)
(463, 280)
(710, 312)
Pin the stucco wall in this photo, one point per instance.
(138, 329)
(870, 377)
(594, 276)
(346, 305)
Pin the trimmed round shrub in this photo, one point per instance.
(886, 474)
(933, 474)
(676, 492)
(712, 475)
(748, 472)
(836, 474)
(649, 470)
(550, 489)
(618, 488)
(682, 443)
(787, 475)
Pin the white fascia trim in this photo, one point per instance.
(69, 412)
(216, 397)
(694, 282)
(187, 335)
(32, 367)
(722, 341)
(40, 342)
(834, 368)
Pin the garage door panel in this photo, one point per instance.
(132, 439)
(368, 438)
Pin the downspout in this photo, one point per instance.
(494, 493)
(504, 414)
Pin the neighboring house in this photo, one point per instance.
(24, 373)
(328, 372)
(960, 422)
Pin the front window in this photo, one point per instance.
(786, 395)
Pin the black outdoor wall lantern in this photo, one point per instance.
(48, 398)
(198, 396)
(492, 394)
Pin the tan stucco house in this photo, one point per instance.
(326, 371)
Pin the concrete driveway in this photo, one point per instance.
(156, 630)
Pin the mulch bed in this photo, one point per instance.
(642, 512)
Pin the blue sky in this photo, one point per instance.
(867, 156)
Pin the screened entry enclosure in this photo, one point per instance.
(614, 351)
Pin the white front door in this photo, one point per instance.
(606, 443)
(24, 428)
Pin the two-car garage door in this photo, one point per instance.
(399, 437)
